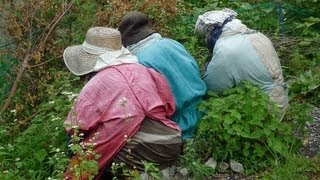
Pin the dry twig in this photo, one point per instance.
(29, 55)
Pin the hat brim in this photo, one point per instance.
(78, 61)
(132, 38)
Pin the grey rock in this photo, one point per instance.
(184, 171)
(165, 174)
(236, 167)
(145, 176)
(223, 166)
(211, 163)
(168, 173)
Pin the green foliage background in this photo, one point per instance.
(32, 136)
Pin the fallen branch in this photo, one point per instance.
(29, 55)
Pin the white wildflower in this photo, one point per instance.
(55, 118)
(70, 145)
(51, 102)
(13, 111)
(123, 101)
(70, 95)
(57, 150)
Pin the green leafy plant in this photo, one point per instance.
(306, 86)
(121, 171)
(37, 150)
(193, 162)
(152, 169)
(84, 164)
(297, 167)
(244, 125)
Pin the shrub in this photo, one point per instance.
(243, 125)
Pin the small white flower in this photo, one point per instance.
(13, 111)
(57, 150)
(55, 118)
(81, 134)
(51, 102)
(70, 95)
(123, 101)
(17, 159)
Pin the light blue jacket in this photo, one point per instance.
(180, 69)
(243, 57)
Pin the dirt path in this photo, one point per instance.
(312, 142)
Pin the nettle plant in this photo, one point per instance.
(243, 125)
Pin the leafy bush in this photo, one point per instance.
(37, 151)
(243, 125)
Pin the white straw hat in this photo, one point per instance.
(81, 59)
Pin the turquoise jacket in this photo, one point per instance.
(180, 69)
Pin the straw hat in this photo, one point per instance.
(81, 59)
(134, 27)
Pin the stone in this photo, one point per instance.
(145, 176)
(211, 163)
(184, 172)
(236, 167)
(223, 166)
